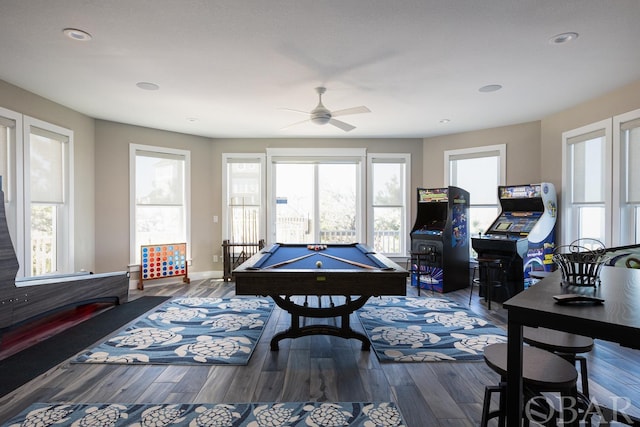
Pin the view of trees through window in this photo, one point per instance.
(316, 203)
(160, 207)
(388, 206)
(46, 183)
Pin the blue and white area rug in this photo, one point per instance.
(426, 330)
(308, 414)
(188, 331)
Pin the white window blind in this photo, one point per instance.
(47, 166)
(631, 135)
(160, 191)
(6, 127)
(588, 166)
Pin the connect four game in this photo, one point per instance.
(163, 261)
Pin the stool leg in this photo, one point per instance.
(583, 375)
(569, 416)
(486, 405)
(473, 278)
(489, 287)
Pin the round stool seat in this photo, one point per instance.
(541, 369)
(557, 341)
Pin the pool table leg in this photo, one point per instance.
(343, 311)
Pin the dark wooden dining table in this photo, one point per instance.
(616, 320)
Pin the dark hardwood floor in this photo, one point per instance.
(316, 369)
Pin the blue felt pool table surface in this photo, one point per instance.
(286, 257)
(290, 269)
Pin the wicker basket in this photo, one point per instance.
(581, 265)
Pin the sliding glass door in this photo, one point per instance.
(316, 202)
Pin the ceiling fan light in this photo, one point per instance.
(147, 86)
(77, 34)
(490, 88)
(320, 120)
(563, 38)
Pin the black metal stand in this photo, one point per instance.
(343, 311)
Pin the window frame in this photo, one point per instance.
(571, 211)
(393, 158)
(133, 149)
(316, 155)
(228, 158)
(623, 228)
(65, 239)
(14, 203)
(478, 152)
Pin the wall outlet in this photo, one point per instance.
(215, 219)
(215, 258)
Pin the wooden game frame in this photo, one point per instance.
(163, 261)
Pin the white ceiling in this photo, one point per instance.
(226, 68)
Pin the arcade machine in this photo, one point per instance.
(523, 235)
(440, 240)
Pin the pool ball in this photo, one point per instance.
(319, 264)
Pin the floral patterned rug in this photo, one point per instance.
(309, 414)
(426, 330)
(194, 331)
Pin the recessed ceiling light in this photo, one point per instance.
(444, 121)
(76, 34)
(563, 38)
(490, 88)
(147, 86)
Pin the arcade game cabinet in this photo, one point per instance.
(523, 235)
(440, 240)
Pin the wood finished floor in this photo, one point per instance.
(315, 369)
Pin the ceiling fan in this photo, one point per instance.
(321, 114)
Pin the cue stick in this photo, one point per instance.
(357, 264)
(289, 261)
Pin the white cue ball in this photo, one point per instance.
(318, 264)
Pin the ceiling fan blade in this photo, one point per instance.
(342, 125)
(353, 110)
(295, 124)
(294, 111)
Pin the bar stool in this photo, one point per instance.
(568, 346)
(542, 371)
(492, 276)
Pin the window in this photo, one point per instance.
(36, 165)
(462, 169)
(389, 202)
(243, 191)
(48, 198)
(586, 154)
(160, 191)
(626, 182)
(316, 195)
(10, 141)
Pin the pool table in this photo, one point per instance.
(350, 272)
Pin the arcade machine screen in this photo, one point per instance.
(433, 195)
(517, 223)
(434, 209)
